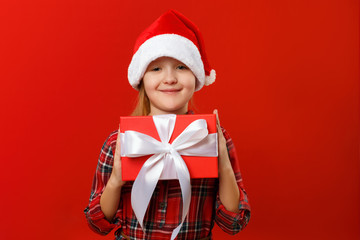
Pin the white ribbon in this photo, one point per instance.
(166, 162)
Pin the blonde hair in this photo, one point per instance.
(142, 107)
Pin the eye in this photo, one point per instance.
(182, 67)
(155, 69)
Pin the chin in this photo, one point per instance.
(173, 109)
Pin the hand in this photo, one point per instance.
(116, 178)
(224, 161)
(229, 192)
(110, 198)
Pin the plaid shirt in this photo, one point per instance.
(164, 211)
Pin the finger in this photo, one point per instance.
(118, 145)
(118, 140)
(217, 118)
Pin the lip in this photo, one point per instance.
(170, 91)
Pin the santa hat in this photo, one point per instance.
(171, 35)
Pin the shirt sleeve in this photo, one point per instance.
(94, 215)
(228, 221)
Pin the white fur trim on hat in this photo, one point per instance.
(167, 45)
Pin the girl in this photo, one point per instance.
(168, 66)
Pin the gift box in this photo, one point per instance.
(198, 166)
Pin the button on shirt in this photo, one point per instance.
(165, 208)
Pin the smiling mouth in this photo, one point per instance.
(170, 91)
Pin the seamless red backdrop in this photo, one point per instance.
(287, 90)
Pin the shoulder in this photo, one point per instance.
(111, 139)
(108, 148)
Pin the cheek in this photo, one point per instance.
(148, 85)
(190, 82)
(151, 81)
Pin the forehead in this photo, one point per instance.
(163, 60)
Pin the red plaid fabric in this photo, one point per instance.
(165, 207)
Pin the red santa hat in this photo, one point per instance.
(171, 35)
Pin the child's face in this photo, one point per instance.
(169, 84)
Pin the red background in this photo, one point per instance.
(287, 90)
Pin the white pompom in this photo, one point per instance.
(210, 79)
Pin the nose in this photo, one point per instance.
(170, 76)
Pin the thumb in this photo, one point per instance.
(118, 145)
(217, 117)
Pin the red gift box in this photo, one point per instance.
(198, 166)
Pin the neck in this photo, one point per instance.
(181, 111)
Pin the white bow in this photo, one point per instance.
(166, 162)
